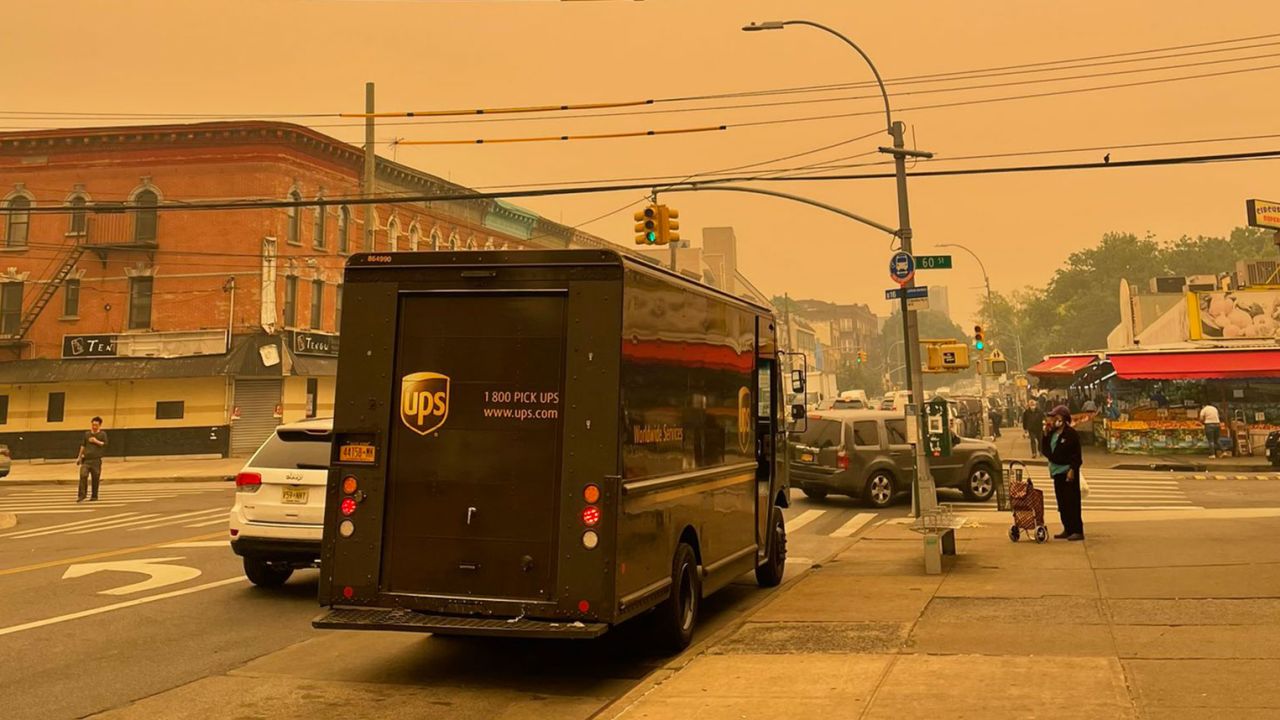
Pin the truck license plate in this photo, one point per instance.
(806, 457)
(294, 496)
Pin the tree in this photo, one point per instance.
(933, 326)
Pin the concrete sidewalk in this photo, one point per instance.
(1152, 616)
(115, 470)
(1015, 446)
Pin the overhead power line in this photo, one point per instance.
(548, 138)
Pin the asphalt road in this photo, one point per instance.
(79, 635)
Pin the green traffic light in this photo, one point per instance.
(979, 344)
(651, 236)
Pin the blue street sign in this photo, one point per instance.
(919, 291)
(902, 267)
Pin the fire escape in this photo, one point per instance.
(104, 229)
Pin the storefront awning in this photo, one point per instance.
(1220, 365)
(1059, 366)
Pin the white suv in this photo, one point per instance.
(278, 517)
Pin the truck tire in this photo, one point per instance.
(266, 574)
(770, 573)
(676, 617)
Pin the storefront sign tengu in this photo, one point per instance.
(311, 343)
(1263, 213)
(88, 346)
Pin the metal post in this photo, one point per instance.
(369, 180)
(924, 488)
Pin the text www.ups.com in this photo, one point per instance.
(521, 414)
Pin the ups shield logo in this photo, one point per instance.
(744, 419)
(424, 401)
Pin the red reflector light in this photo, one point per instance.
(348, 592)
(583, 606)
(234, 532)
(590, 515)
(348, 506)
(248, 480)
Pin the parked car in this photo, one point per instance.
(6, 461)
(278, 517)
(865, 454)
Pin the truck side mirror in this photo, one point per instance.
(797, 413)
(797, 381)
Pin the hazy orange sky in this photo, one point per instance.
(314, 56)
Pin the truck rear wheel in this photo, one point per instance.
(770, 573)
(266, 574)
(679, 613)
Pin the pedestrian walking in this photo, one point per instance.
(994, 415)
(1061, 447)
(1033, 425)
(92, 448)
(1212, 427)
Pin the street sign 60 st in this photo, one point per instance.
(933, 262)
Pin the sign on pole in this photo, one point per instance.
(914, 293)
(902, 268)
(1263, 213)
(933, 262)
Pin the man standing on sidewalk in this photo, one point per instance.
(92, 448)
(1033, 425)
(1212, 427)
(1061, 447)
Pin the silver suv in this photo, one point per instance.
(865, 454)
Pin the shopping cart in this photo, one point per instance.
(1027, 504)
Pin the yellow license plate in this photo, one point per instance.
(806, 457)
(294, 496)
(357, 453)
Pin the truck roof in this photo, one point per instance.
(360, 262)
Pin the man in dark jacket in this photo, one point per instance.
(1061, 447)
(1033, 425)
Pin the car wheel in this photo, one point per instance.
(770, 573)
(880, 489)
(814, 494)
(677, 615)
(980, 485)
(266, 574)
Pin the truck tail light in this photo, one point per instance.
(591, 494)
(346, 528)
(348, 506)
(842, 460)
(590, 540)
(349, 485)
(248, 482)
(590, 515)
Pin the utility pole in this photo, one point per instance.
(369, 180)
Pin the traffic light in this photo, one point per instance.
(862, 356)
(667, 225)
(647, 226)
(979, 340)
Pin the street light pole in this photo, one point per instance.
(923, 495)
(982, 354)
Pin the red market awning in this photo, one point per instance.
(1057, 366)
(1220, 365)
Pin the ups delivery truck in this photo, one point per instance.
(547, 444)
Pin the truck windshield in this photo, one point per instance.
(821, 434)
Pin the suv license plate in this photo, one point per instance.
(806, 457)
(294, 496)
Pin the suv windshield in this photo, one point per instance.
(821, 434)
(294, 450)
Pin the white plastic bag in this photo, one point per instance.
(1084, 484)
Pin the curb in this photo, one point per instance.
(8, 520)
(659, 675)
(108, 481)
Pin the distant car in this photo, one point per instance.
(865, 454)
(278, 517)
(6, 461)
(850, 404)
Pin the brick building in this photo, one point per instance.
(852, 328)
(196, 332)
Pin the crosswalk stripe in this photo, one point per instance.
(113, 525)
(217, 521)
(179, 519)
(34, 504)
(803, 519)
(70, 524)
(854, 525)
(64, 510)
(41, 532)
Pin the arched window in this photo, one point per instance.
(19, 221)
(393, 234)
(471, 242)
(414, 236)
(344, 223)
(435, 239)
(295, 219)
(145, 218)
(78, 221)
(453, 241)
(317, 231)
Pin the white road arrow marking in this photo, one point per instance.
(158, 575)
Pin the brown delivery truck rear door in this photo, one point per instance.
(472, 485)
